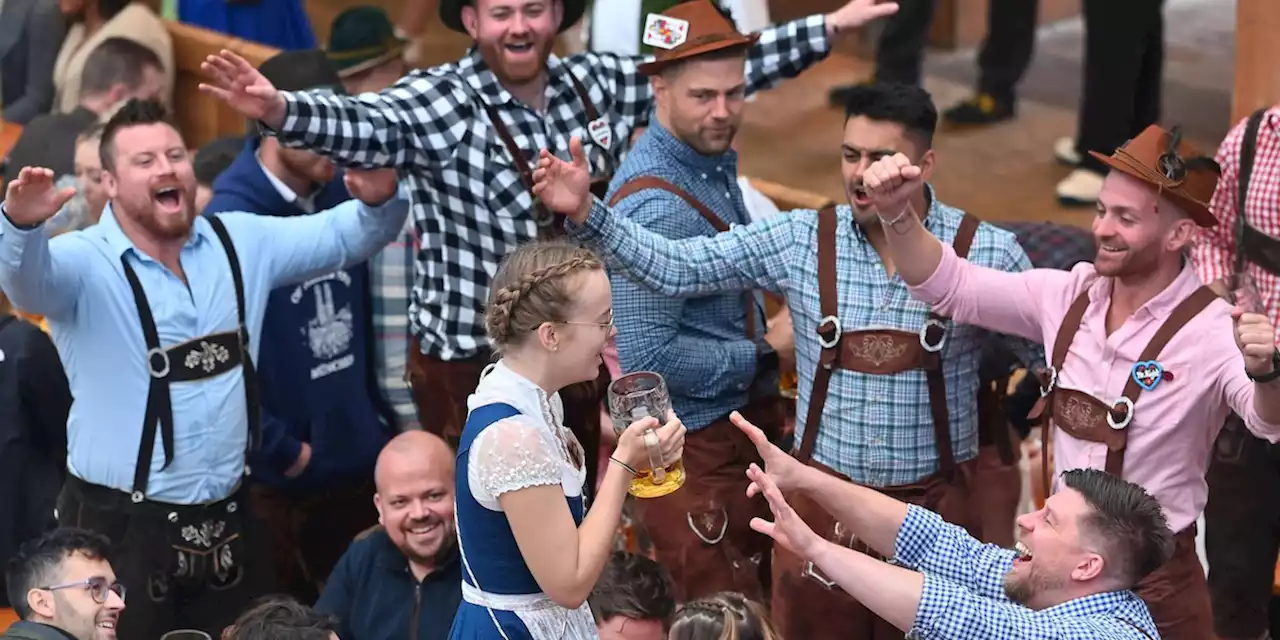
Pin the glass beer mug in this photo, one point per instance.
(636, 396)
(1244, 293)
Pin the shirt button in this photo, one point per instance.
(726, 194)
(704, 176)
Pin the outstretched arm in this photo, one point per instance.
(415, 123)
(39, 276)
(754, 256)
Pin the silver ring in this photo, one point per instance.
(1053, 381)
(1128, 416)
(164, 357)
(924, 339)
(835, 322)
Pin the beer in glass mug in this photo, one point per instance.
(636, 396)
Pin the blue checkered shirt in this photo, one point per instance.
(469, 204)
(390, 279)
(699, 345)
(964, 599)
(875, 429)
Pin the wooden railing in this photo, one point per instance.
(201, 117)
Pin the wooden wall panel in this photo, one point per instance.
(1257, 78)
(200, 117)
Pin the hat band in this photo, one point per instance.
(359, 54)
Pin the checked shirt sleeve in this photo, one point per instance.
(417, 123)
(1215, 249)
(754, 256)
(931, 546)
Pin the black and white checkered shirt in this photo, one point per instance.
(469, 203)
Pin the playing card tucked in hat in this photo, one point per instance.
(688, 30)
(1164, 160)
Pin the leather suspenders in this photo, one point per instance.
(642, 183)
(1252, 245)
(197, 359)
(1087, 418)
(882, 352)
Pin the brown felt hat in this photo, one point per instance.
(688, 30)
(1162, 159)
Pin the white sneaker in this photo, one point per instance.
(1064, 150)
(1080, 189)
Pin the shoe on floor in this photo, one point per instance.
(1064, 151)
(981, 109)
(1080, 189)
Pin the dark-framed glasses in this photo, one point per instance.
(97, 586)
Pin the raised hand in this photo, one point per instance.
(234, 81)
(32, 198)
(890, 182)
(1256, 337)
(787, 472)
(787, 529)
(563, 187)
(373, 187)
(857, 13)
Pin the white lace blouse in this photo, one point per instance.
(528, 450)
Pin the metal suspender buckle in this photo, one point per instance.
(933, 323)
(1047, 388)
(161, 371)
(1128, 414)
(137, 497)
(829, 324)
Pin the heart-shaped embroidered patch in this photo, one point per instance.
(1148, 374)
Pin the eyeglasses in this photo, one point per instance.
(97, 586)
(607, 324)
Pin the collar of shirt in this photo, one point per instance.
(500, 384)
(1157, 308)
(109, 229)
(477, 73)
(668, 145)
(307, 204)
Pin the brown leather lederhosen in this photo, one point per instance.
(1176, 593)
(702, 533)
(807, 604)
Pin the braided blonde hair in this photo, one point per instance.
(727, 615)
(529, 289)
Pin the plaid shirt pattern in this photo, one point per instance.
(963, 596)
(1215, 252)
(390, 277)
(875, 429)
(469, 204)
(699, 345)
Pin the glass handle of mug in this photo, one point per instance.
(657, 465)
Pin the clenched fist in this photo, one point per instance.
(890, 182)
(1256, 337)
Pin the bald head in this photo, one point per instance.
(413, 449)
(414, 477)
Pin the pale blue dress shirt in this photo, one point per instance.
(77, 283)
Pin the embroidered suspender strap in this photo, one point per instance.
(829, 330)
(251, 391)
(641, 183)
(1248, 148)
(1123, 409)
(1061, 345)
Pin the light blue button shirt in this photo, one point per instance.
(76, 281)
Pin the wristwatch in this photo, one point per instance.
(1275, 369)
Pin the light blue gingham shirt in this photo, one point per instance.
(875, 429)
(699, 345)
(391, 279)
(77, 283)
(963, 596)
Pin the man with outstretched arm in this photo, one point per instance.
(1070, 578)
(1146, 362)
(465, 135)
(887, 387)
(157, 314)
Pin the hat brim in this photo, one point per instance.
(1198, 211)
(451, 14)
(656, 66)
(365, 65)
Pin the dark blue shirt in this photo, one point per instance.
(376, 597)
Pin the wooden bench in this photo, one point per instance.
(201, 117)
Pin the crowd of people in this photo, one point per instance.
(348, 375)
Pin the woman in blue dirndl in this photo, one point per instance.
(530, 550)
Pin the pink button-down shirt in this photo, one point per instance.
(1174, 425)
